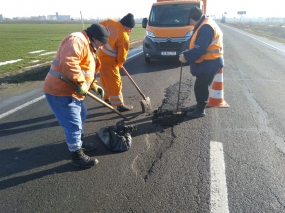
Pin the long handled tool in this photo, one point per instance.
(177, 111)
(145, 103)
(63, 78)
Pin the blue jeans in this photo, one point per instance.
(71, 114)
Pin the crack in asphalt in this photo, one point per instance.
(263, 121)
(146, 162)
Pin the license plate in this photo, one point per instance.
(168, 53)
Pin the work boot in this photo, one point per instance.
(82, 160)
(198, 112)
(190, 109)
(124, 108)
(87, 147)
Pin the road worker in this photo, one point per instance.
(112, 56)
(76, 59)
(205, 56)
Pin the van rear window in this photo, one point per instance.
(170, 15)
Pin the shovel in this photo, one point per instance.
(71, 83)
(145, 103)
(177, 112)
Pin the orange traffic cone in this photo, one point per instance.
(217, 92)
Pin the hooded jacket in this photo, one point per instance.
(116, 50)
(76, 60)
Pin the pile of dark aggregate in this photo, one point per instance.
(167, 117)
(165, 114)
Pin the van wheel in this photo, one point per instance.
(147, 59)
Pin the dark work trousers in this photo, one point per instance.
(202, 87)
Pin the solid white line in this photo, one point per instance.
(21, 107)
(219, 195)
(135, 55)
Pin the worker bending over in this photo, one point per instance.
(112, 56)
(76, 59)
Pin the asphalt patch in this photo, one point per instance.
(166, 115)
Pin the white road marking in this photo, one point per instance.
(37, 65)
(48, 53)
(37, 51)
(21, 107)
(35, 61)
(10, 62)
(219, 195)
(134, 55)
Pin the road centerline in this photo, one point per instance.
(219, 195)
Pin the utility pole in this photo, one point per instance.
(82, 20)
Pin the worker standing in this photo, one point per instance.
(76, 59)
(205, 56)
(113, 55)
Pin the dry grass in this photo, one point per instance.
(274, 31)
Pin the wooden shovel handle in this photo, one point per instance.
(63, 78)
(134, 83)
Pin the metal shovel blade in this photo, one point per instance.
(146, 105)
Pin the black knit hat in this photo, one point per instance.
(99, 32)
(195, 13)
(128, 20)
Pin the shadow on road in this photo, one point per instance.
(36, 74)
(24, 165)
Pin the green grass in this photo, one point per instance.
(17, 40)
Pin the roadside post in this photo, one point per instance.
(241, 13)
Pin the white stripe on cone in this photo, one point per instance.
(219, 77)
(217, 94)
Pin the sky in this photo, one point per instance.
(140, 8)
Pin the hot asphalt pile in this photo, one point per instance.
(165, 115)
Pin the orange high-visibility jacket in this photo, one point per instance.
(76, 60)
(215, 49)
(116, 50)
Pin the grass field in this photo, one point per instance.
(33, 44)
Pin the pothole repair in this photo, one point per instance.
(166, 115)
(148, 161)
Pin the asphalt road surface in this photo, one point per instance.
(231, 160)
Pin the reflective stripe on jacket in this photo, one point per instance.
(215, 49)
(116, 50)
(74, 59)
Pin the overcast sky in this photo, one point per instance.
(140, 8)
